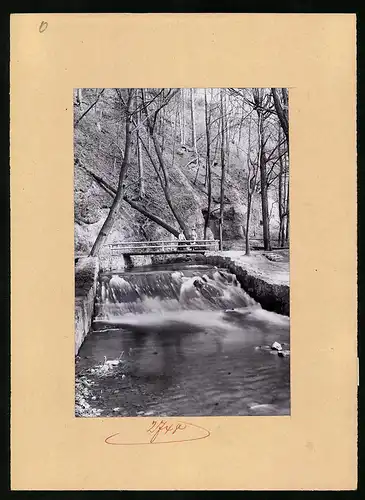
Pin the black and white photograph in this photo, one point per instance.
(181, 252)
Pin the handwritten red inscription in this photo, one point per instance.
(164, 432)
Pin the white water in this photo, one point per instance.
(190, 350)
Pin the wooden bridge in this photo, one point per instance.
(162, 247)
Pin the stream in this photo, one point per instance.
(179, 340)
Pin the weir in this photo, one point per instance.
(183, 340)
(203, 288)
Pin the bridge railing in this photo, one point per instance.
(162, 246)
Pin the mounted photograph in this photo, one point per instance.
(181, 252)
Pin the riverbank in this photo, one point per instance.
(86, 275)
(263, 274)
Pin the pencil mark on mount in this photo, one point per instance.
(181, 218)
(43, 26)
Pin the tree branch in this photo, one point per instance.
(112, 192)
(89, 108)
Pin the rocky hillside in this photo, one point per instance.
(99, 148)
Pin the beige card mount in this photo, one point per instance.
(312, 55)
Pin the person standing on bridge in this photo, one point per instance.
(181, 239)
(193, 235)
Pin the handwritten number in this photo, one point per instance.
(179, 427)
(158, 427)
(43, 26)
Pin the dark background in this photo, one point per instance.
(298, 6)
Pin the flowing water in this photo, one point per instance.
(183, 340)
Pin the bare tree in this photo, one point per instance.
(223, 164)
(258, 98)
(281, 107)
(142, 192)
(193, 132)
(116, 205)
(208, 164)
(162, 172)
(183, 117)
(252, 170)
(281, 196)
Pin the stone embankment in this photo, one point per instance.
(265, 276)
(86, 275)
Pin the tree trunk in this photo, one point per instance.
(221, 209)
(263, 177)
(228, 132)
(135, 205)
(208, 165)
(287, 214)
(152, 217)
(175, 133)
(248, 216)
(115, 208)
(79, 98)
(240, 129)
(193, 134)
(250, 189)
(166, 188)
(142, 192)
(183, 117)
(162, 129)
(192, 110)
(280, 196)
(180, 122)
(264, 203)
(282, 111)
(164, 179)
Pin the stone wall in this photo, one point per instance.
(86, 275)
(273, 294)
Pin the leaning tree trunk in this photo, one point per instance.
(111, 191)
(116, 205)
(160, 222)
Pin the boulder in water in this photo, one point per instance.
(275, 346)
